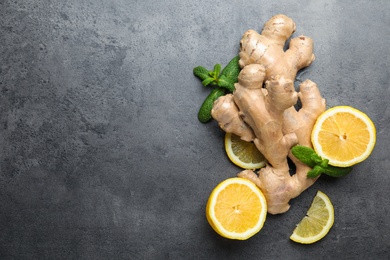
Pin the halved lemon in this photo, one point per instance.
(243, 154)
(343, 135)
(236, 209)
(317, 222)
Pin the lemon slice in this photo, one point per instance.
(243, 154)
(317, 222)
(236, 209)
(343, 135)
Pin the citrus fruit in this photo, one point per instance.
(317, 222)
(236, 209)
(343, 135)
(243, 154)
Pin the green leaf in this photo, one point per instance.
(204, 114)
(208, 81)
(315, 172)
(337, 171)
(304, 154)
(324, 163)
(201, 72)
(232, 69)
(215, 73)
(316, 158)
(225, 82)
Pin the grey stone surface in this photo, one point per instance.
(102, 156)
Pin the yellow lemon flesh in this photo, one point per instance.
(317, 222)
(343, 135)
(243, 154)
(236, 209)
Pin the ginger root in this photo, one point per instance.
(262, 108)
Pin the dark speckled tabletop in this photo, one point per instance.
(101, 152)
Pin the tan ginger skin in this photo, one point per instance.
(266, 115)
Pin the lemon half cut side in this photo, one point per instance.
(236, 209)
(343, 135)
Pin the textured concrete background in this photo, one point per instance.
(102, 156)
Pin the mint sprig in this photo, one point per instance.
(223, 79)
(319, 165)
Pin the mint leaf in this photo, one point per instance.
(324, 163)
(232, 69)
(201, 72)
(215, 73)
(225, 82)
(305, 155)
(204, 114)
(208, 81)
(316, 171)
(337, 171)
(315, 157)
